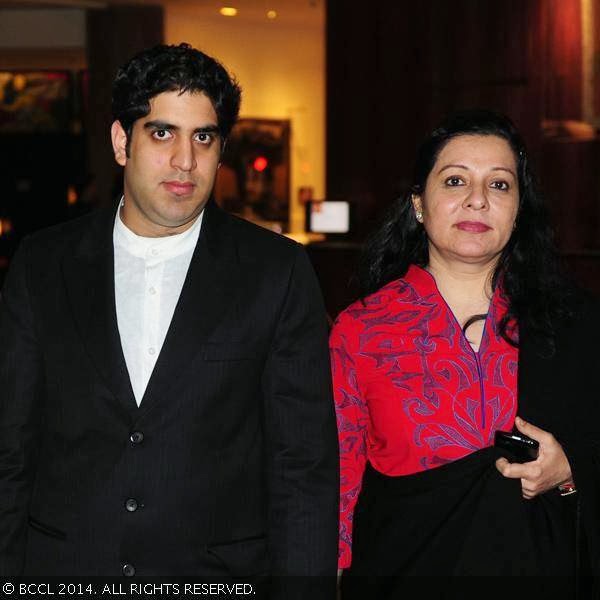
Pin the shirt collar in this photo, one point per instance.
(157, 248)
(424, 283)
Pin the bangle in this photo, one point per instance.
(566, 489)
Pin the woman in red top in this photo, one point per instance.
(427, 367)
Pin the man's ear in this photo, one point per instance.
(119, 142)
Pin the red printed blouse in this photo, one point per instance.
(410, 392)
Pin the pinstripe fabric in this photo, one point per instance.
(237, 472)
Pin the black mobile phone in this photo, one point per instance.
(522, 447)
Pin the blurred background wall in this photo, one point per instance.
(359, 84)
(280, 64)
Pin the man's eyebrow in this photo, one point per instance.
(157, 124)
(207, 129)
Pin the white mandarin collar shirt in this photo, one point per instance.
(149, 276)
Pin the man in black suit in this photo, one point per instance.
(164, 379)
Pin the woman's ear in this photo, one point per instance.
(417, 206)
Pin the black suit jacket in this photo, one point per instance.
(230, 464)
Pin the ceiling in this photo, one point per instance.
(297, 11)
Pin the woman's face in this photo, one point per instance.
(470, 201)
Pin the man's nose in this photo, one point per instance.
(184, 157)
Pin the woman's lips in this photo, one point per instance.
(179, 188)
(472, 226)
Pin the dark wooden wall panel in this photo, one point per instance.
(394, 69)
(561, 30)
(352, 82)
(596, 62)
(571, 180)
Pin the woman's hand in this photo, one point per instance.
(549, 470)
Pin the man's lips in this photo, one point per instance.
(472, 226)
(179, 188)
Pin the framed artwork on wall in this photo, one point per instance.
(253, 181)
(36, 101)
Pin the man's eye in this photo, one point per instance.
(454, 181)
(500, 185)
(204, 138)
(161, 134)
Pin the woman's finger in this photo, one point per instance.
(511, 470)
(535, 433)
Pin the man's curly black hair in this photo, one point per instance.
(178, 68)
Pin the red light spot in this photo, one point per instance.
(260, 164)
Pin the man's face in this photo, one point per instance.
(173, 158)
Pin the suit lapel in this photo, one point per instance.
(206, 297)
(89, 280)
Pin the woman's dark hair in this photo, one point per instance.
(528, 265)
(173, 68)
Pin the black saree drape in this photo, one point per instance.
(464, 518)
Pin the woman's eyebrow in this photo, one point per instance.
(505, 169)
(453, 166)
(457, 166)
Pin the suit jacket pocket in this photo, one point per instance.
(225, 351)
(47, 529)
(243, 558)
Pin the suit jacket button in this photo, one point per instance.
(128, 570)
(137, 437)
(131, 504)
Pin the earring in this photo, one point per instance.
(419, 216)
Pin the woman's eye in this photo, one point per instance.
(161, 134)
(454, 181)
(500, 185)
